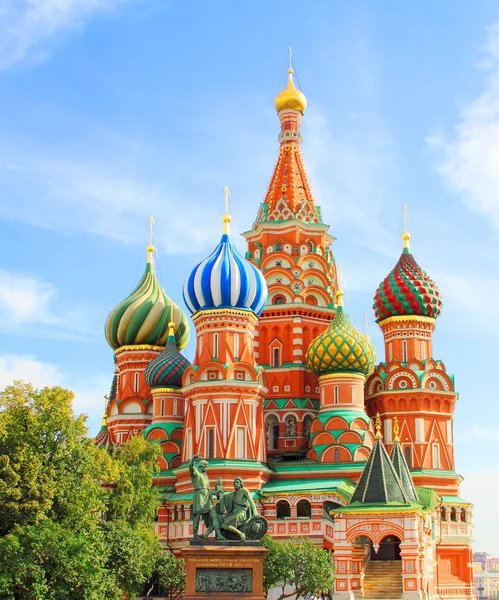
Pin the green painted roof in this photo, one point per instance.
(379, 482)
(344, 487)
(168, 427)
(348, 414)
(427, 497)
(455, 500)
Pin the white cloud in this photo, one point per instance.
(89, 394)
(101, 196)
(29, 306)
(31, 28)
(480, 488)
(468, 160)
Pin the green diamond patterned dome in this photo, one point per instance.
(143, 317)
(341, 349)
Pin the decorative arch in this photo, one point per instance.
(328, 456)
(131, 408)
(283, 509)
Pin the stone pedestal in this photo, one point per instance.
(217, 569)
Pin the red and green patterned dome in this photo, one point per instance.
(166, 370)
(407, 290)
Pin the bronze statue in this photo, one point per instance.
(202, 502)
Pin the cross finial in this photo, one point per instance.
(406, 236)
(290, 58)
(226, 217)
(150, 248)
(339, 291)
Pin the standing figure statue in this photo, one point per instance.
(239, 507)
(202, 502)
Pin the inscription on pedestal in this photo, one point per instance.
(224, 580)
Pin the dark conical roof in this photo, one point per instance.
(398, 460)
(379, 482)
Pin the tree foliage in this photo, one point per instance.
(298, 564)
(75, 522)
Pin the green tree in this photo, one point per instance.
(299, 564)
(170, 574)
(75, 522)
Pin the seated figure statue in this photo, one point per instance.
(236, 508)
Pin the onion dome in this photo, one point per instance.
(226, 280)
(407, 290)
(341, 348)
(166, 370)
(290, 97)
(103, 438)
(142, 318)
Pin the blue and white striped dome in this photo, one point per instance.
(225, 280)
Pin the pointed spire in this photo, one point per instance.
(400, 464)
(379, 482)
(377, 425)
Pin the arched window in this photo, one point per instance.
(175, 514)
(135, 383)
(278, 247)
(435, 457)
(408, 456)
(336, 455)
(404, 350)
(443, 513)
(211, 443)
(307, 421)
(276, 358)
(464, 516)
(215, 345)
(272, 431)
(304, 509)
(453, 514)
(311, 300)
(279, 300)
(236, 345)
(283, 510)
(290, 426)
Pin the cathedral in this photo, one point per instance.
(286, 393)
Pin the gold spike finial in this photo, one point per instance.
(171, 324)
(339, 292)
(377, 425)
(226, 217)
(366, 325)
(396, 430)
(406, 236)
(290, 60)
(150, 247)
(104, 420)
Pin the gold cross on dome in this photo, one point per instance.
(151, 223)
(226, 217)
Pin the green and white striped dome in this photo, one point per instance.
(143, 317)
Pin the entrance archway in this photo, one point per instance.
(389, 549)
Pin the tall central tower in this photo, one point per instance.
(292, 247)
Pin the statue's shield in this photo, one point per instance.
(255, 528)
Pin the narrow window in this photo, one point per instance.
(336, 394)
(215, 345)
(435, 457)
(404, 350)
(336, 455)
(241, 442)
(175, 407)
(443, 513)
(453, 514)
(304, 509)
(211, 443)
(353, 394)
(275, 357)
(162, 406)
(278, 247)
(136, 382)
(236, 345)
(464, 516)
(390, 351)
(408, 456)
(423, 351)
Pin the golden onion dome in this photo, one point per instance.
(290, 97)
(341, 349)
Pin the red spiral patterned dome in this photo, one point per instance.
(407, 290)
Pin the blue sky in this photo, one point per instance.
(113, 110)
